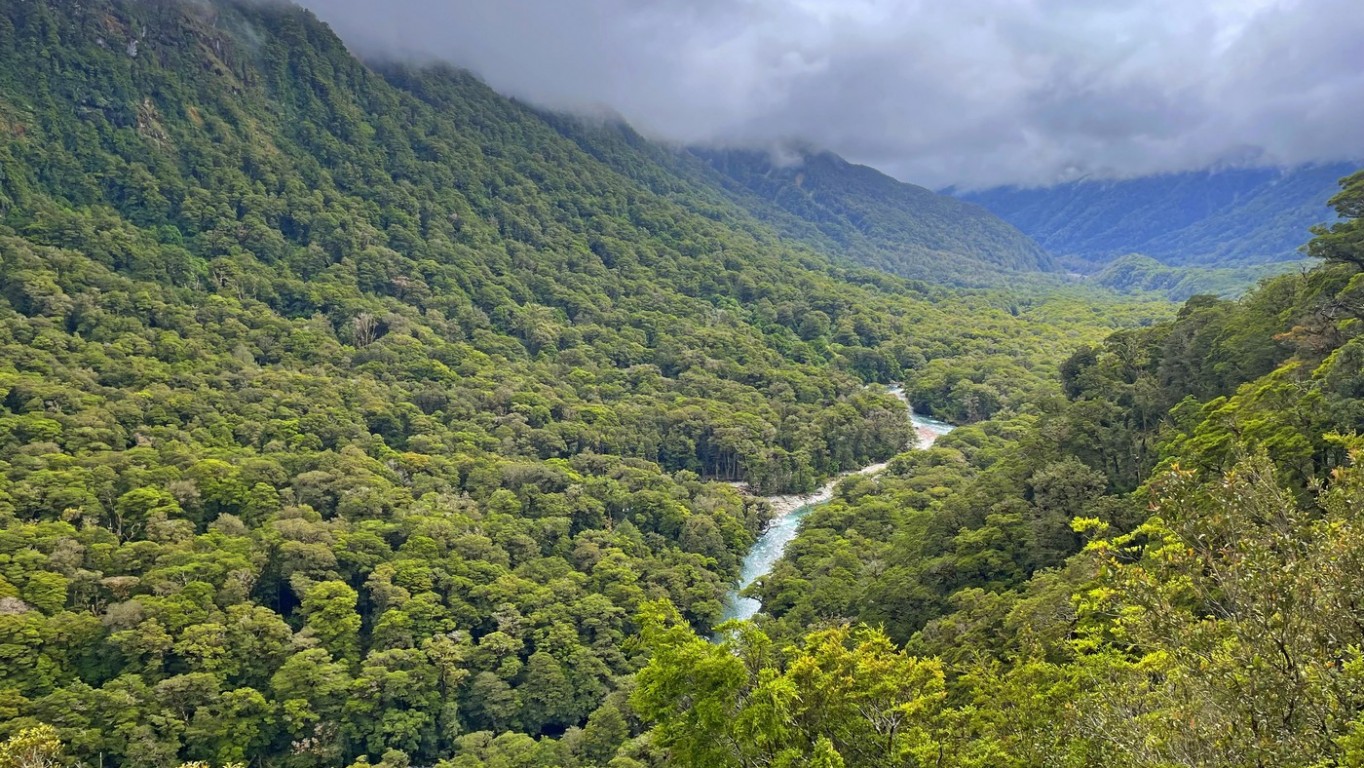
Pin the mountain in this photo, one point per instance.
(354, 414)
(1223, 218)
(874, 219)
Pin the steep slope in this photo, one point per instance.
(1239, 216)
(351, 416)
(854, 214)
(875, 219)
(286, 173)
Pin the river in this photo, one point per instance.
(788, 512)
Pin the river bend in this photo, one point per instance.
(789, 510)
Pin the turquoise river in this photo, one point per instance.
(789, 512)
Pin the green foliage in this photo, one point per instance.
(1224, 631)
(1135, 272)
(36, 747)
(843, 698)
(1344, 240)
(1233, 605)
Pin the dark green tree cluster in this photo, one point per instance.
(326, 636)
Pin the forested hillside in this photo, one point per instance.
(875, 220)
(1231, 217)
(355, 416)
(1136, 273)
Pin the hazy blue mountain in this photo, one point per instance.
(1227, 217)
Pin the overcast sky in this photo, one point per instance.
(937, 92)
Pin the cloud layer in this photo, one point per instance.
(970, 92)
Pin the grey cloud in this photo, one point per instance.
(972, 93)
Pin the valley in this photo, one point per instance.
(789, 510)
(1218, 232)
(355, 413)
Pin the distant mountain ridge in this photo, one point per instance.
(874, 219)
(1198, 218)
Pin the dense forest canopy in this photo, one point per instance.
(357, 415)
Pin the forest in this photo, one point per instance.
(356, 415)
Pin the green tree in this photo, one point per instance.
(1343, 241)
(36, 747)
(1235, 599)
(330, 616)
(312, 690)
(545, 694)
